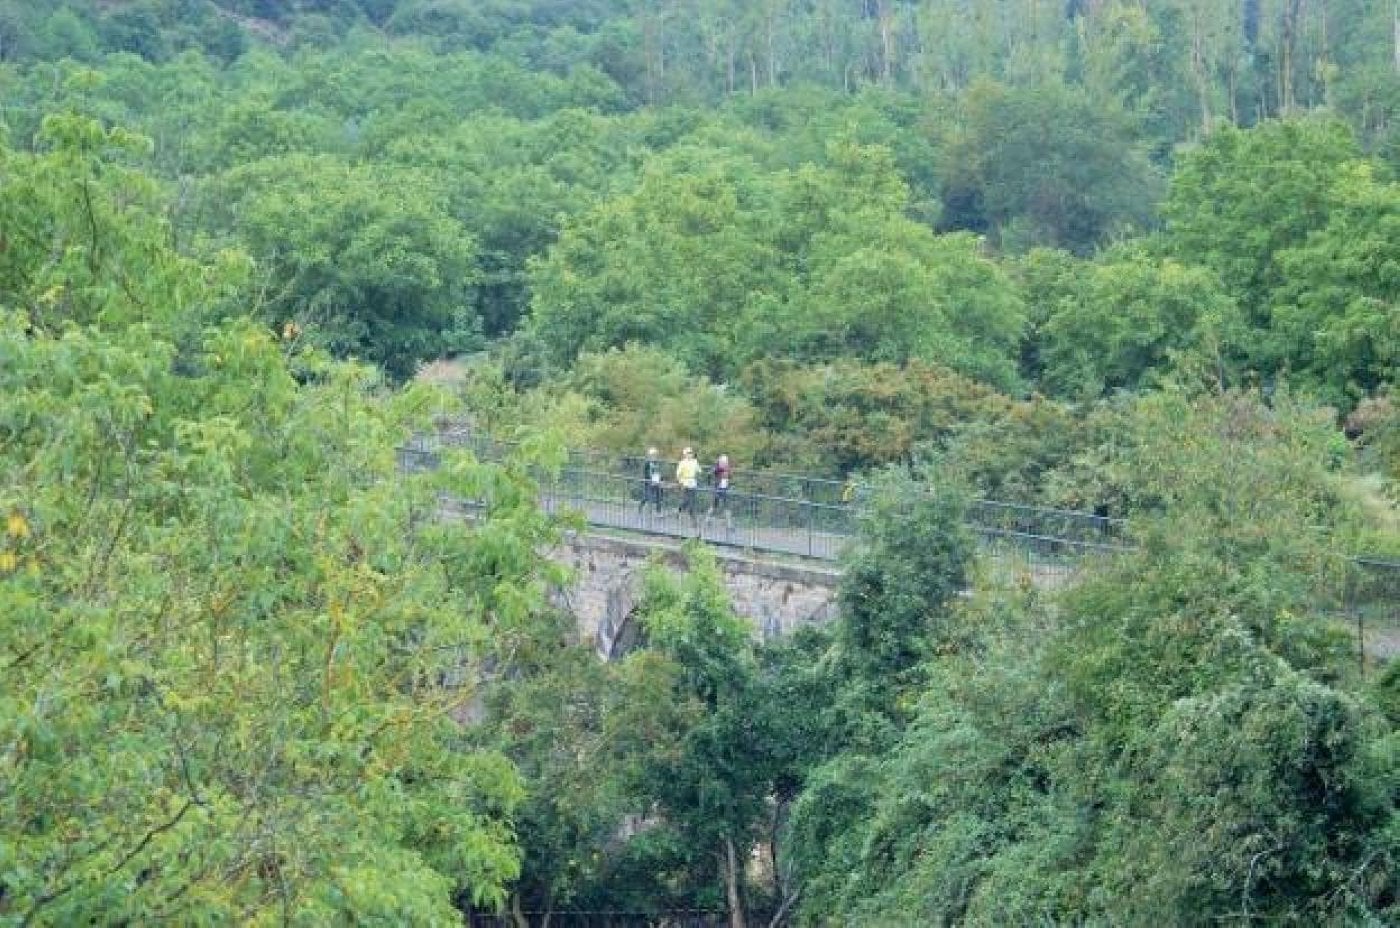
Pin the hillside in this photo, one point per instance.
(1089, 263)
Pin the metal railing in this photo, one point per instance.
(1017, 517)
(1367, 597)
(1043, 522)
(805, 525)
(1047, 542)
(673, 919)
(742, 520)
(776, 484)
(1373, 580)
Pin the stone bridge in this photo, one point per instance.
(776, 598)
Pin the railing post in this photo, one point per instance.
(1351, 601)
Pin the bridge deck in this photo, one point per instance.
(627, 516)
(1051, 543)
(1055, 540)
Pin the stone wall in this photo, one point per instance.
(776, 598)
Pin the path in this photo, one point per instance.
(1048, 545)
(625, 515)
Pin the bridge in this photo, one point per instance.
(780, 540)
(773, 514)
(777, 539)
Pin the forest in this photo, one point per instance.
(1135, 258)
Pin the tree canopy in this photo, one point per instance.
(228, 653)
(970, 270)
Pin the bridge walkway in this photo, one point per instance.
(1049, 539)
(1050, 544)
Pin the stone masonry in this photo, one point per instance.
(776, 598)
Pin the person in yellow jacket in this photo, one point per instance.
(688, 476)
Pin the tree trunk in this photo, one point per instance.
(1395, 35)
(649, 59)
(731, 885)
(886, 41)
(1288, 47)
(516, 913)
(1325, 69)
(772, 45)
(829, 39)
(782, 882)
(1249, 26)
(1233, 88)
(1200, 69)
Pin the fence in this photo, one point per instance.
(1042, 522)
(610, 492)
(742, 520)
(1037, 520)
(774, 484)
(1373, 583)
(1367, 596)
(677, 919)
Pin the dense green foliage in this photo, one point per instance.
(718, 265)
(414, 176)
(1176, 739)
(226, 648)
(1137, 258)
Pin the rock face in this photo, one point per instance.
(776, 598)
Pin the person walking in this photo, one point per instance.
(719, 477)
(688, 476)
(651, 482)
(848, 491)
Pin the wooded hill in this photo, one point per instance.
(1134, 258)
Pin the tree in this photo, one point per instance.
(640, 397)
(1127, 316)
(136, 28)
(1245, 196)
(1180, 732)
(1026, 453)
(510, 182)
(86, 242)
(913, 560)
(1211, 32)
(905, 294)
(1289, 214)
(672, 264)
(67, 34)
(14, 32)
(234, 652)
(364, 259)
(709, 775)
(552, 708)
(1337, 317)
(1375, 425)
(895, 598)
(1130, 53)
(847, 416)
(717, 262)
(1296, 805)
(249, 129)
(1044, 165)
